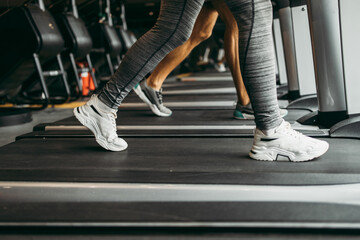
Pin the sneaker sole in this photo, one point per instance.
(92, 126)
(153, 107)
(292, 157)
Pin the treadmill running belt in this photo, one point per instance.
(133, 98)
(181, 117)
(197, 85)
(172, 160)
(179, 214)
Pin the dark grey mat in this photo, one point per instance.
(172, 160)
(180, 213)
(133, 98)
(197, 85)
(179, 117)
(153, 233)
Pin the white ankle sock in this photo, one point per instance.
(103, 107)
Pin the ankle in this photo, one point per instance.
(243, 100)
(272, 130)
(103, 106)
(153, 84)
(241, 104)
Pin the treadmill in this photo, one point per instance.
(298, 55)
(202, 186)
(193, 115)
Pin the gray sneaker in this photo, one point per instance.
(246, 112)
(152, 98)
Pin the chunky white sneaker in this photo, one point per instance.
(101, 123)
(152, 98)
(285, 144)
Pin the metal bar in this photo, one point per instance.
(64, 77)
(132, 192)
(42, 5)
(327, 48)
(118, 59)
(88, 59)
(108, 13)
(110, 64)
(122, 16)
(287, 30)
(280, 52)
(41, 77)
(74, 9)
(52, 73)
(73, 63)
(183, 127)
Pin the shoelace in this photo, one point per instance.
(113, 117)
(288, 129)
(159, 95)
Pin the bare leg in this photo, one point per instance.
(231, 45)
(202, 30)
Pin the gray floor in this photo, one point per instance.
(9, 133)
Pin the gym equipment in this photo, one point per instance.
(335, 52)
(279, 50)
(298, 53)
(169, 181)
(106, 41)
(205, 186)
(78, 43)
(31, 38)
(127, 37)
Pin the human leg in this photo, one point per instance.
(173, 27)
(257, 59)
(202, 30)
(274, 138)
(231, 46)
(150, 90)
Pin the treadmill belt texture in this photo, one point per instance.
(177, 214)
(172, 160)
(178, 85)
(152, 233)
(179, 117)
(133, 98)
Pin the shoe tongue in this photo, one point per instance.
(273, 130)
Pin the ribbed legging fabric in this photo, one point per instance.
(174, 26)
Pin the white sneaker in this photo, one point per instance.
(101, 123)
(285, 144)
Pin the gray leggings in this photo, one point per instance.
(174, 27)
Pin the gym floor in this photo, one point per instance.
(9, 133)
(188, 175)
